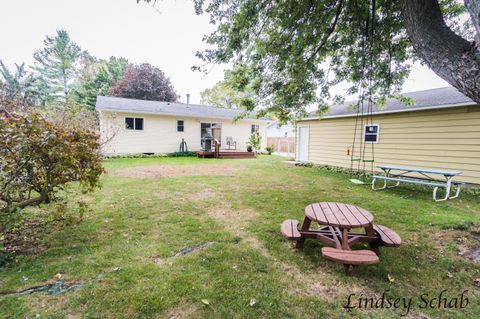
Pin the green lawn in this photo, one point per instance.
(124, 249)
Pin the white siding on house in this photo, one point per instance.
(160, 133)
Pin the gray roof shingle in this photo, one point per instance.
(433, 98)
(118, 104)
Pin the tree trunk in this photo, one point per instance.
(451, 57)
(473, 7)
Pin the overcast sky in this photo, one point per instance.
(167, 39)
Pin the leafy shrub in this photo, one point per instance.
(141, 155)
(182, 154)
(269, 150)
(39, 158)
(255, 141)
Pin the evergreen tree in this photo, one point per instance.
(103, 75)
(20, 85)
(56, 64)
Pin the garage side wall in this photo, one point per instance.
(446, 139)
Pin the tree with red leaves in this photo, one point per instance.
(144, 82)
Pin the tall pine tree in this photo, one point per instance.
(56, 64)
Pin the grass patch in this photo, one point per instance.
(124, 249)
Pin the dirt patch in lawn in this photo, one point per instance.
(165, 171)
(467, 242)
(314, 282)
(182, 311)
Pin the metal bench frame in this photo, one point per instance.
(449, 184)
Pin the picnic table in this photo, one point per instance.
(419, 176)
(337, 224)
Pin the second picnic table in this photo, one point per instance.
(337, 221)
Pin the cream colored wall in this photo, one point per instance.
(160, 133)
(446, 139)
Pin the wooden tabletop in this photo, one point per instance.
(338, 215)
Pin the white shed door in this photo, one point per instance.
(303, 136)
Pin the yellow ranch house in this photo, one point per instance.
(440, 131)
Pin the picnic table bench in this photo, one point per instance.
(403, 174)
(337, 221)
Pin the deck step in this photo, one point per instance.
(350, 257)
(289, 229)
(388, 237)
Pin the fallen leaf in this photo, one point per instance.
(390, 278)
(206, 302)
(253, 301)
(58, 276)
(476, 282)
(449, 274)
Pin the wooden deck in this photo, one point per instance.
(226, 154)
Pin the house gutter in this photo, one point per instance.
(436, 107)
(177, 115)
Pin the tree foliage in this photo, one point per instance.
(255, 141)
(20, 84)
(38, 158)
(56, 64)
(293, 52)
(144, 82)
(98, 77)
(228, 93)
(221, 95)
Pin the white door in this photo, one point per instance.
(303, 137)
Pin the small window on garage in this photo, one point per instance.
(255, 128)
(180, 126)
(371, 134)
(134, 123)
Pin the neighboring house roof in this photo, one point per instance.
(275, 125)
(118, 104)
(424, 100)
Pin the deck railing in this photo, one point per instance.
(216, 145)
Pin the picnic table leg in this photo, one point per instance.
(374, 246)
(345, 245)
(459, 186)
(386, 173)
(447, 190)
(305, 227)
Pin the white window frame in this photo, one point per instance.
(134, 123)
(365, 133)
(257, 128)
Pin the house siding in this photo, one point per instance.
(160, 133)
(446, 139)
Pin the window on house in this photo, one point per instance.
(134, 123)
(255, 128)
(139, 124)
(371, 133)
(180, 126)
(129, 123)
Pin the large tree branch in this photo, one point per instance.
(473, 8)
(453, 58)
(329, 31)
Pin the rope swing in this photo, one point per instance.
(359, 162)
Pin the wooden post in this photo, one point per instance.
(305, 227)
